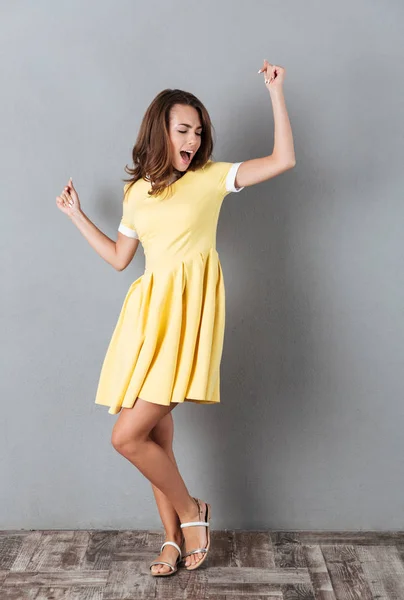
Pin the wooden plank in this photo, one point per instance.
(100, 549)
(128, 579)
(3, 575)
(400, 550)
(384, 571)
(59, 550)
(288, 550)
(253, 549)
(30, 593)
(28, 546)
(319, 576)
(297, 592)
(237, 550)
(346, 573)
(10, 546)
(277, 575)
(344, 538)
(252, 591)
(58, 578)
(54, 593)
(222, 552)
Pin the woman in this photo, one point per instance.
(167, 344)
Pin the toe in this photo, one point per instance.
(160, 569)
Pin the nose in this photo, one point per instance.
(195, 143)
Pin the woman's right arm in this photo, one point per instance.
(118, 254)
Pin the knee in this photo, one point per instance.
(118, 441)
(125, 444)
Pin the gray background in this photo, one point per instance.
(309, 431)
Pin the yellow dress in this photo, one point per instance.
(167, 344)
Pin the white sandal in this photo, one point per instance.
(162, 562)
(192, 524)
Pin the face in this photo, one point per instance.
(185, 134)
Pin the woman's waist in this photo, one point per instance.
(167, 261)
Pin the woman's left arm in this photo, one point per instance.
(282, 158)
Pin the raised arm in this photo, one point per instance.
(118, 254)
(282, 158)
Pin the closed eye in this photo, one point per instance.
(186, 132)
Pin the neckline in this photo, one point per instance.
(172, 182)
(179, 178)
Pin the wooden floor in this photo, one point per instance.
(113, 565)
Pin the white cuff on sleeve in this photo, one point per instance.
(231, 177)
(128, 231)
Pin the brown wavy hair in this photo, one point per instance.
(151, 153)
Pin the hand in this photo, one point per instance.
(274, 75)
(68, 201)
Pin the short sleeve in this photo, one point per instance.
(227, 177)
(126, 226)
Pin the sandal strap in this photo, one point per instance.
(194, 552)
(171, 544)
(192, 523)
(161, 562)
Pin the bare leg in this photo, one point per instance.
(163, 434)
(131, 438)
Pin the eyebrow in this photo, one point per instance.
(187, 125)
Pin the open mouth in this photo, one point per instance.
(186, 157)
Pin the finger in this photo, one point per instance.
(264, 67)
(61, 203)
(274, 73)
(269, 69)
(68, 187)
(67, 198)
(68, 203)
